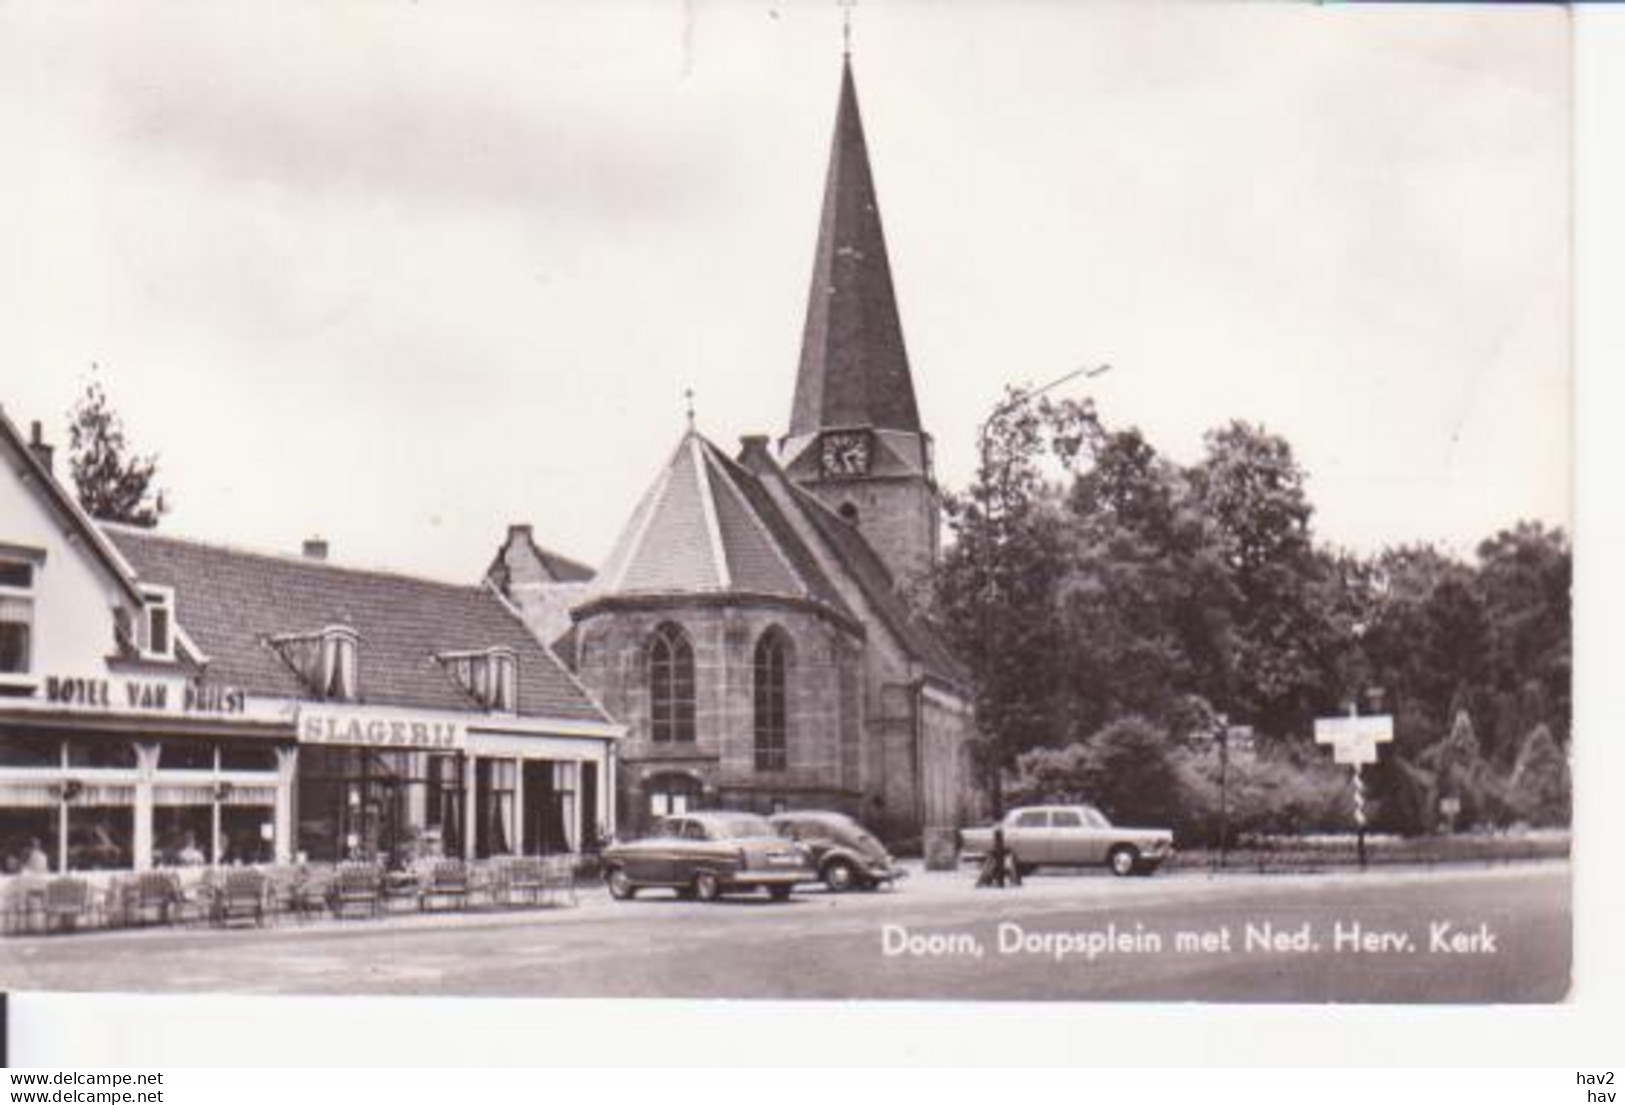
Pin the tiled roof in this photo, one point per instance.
(854, 367)
(233, 602)
(704, 527)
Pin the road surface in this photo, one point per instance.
(1444, 935)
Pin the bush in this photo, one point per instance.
(1540, 786)
(1127, 769)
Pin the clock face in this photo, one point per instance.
(845, 454)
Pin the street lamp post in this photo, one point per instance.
(989, 589)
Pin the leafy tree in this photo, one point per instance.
(113, 483)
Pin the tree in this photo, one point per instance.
(113, 483)
(995, 592)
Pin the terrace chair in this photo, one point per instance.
(311, 892)
(559, 878)
(281, 891)
(242, 895)
(357, 886)
(67, 901)
(446, 880)
(524, 882)
(152, 893)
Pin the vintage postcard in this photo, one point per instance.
(1011, 502)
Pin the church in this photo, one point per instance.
(752, 626)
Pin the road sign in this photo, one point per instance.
(1354, 740)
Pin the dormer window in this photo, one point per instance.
(338, 671)
(489, 676)
(159, 609)
(325, 661)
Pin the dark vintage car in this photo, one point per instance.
(845, 854)
(706, 855)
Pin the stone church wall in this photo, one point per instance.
(823, 711)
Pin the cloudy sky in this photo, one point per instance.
(403, 273)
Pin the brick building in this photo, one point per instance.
(751, 627)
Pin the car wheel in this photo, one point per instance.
(1124, 860)
(780, 893)
(839, 876)
(707, 887)
(620, 884)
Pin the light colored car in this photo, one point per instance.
(1072, 836)
(706, 855)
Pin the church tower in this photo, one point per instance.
(855, 440)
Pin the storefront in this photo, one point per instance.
(169, 702)
(392, 785)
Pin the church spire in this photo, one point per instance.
(854, 368)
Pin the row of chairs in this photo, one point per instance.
(228, 896)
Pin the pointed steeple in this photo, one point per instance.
(854, 368)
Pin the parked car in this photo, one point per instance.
(1072, 836)
(706, 855)
(845, 854)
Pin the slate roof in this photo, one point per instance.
(710, 525)
(232, 602)
(854, 367)
(705, 527)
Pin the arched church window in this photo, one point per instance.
(771, 685)
(671, 686)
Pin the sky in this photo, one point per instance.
(400, 274)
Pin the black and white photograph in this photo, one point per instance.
(975, 503)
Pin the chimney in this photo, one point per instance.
(753, 453)
(36, 445)
(315, 548)
(520, 531)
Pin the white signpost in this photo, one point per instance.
(1354, 741)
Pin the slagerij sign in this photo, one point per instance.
(376, 729)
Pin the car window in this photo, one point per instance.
(1095, 818)
(1031, 819)
(693, 830)
(669, 826)
(1066, 819)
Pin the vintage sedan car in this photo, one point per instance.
(1072, 836)
(706, 855)
(846, 855)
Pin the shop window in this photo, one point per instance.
(494, 807)
(489, 676)
(29, 837)
(183, 836)
(183, 754)
(770, 681)
(239, 756)
(671, 686)
(20, 750)
(361, 804)
(100, 837)
(16, 616)
(100, 752)
(160, 614)
(247, 834)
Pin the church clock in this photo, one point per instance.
(844, 454)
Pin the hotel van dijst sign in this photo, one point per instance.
(374, 729)
(143, 695)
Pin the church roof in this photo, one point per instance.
(706, 527)
(854, 368)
